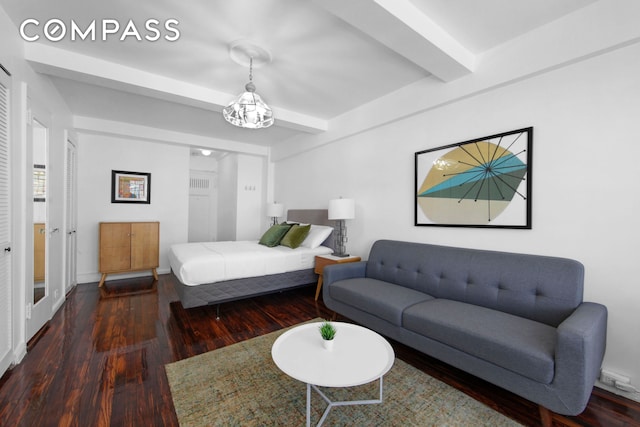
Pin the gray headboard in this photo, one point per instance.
(313, 216)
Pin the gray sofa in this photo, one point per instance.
(515, 320)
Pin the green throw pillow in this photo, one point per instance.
(295, 236)
(274, 235)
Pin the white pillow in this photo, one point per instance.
(317, 235)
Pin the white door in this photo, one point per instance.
(203, 216)
(71, 219)
(199, 215)
(39, 299)
(6, 320)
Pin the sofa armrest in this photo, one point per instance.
(580, 347)
(333, 273)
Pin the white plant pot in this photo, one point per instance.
(327, 344)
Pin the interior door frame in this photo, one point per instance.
(71, 212)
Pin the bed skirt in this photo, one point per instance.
(231, 290)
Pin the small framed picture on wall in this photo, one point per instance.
(130, 187)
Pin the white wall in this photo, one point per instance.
(169, 167)
(203, 163)
(585, 204)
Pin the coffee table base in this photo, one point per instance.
(331, 403)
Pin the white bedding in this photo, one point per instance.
(210, 262)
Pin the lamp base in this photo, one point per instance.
(340, 238)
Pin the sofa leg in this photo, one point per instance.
(546, 417)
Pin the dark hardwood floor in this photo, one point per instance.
(100, 360)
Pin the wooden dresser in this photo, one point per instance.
(129, 246)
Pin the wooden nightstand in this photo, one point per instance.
(323, 260)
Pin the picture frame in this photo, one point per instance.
(483, 183)
(130, 187)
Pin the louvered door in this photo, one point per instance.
(203, 216)
(5, 229)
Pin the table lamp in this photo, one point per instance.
(340, 210)
(275, 210)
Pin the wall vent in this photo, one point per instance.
(201, 183)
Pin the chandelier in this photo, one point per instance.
(249, 110)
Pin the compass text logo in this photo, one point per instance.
(56, 30)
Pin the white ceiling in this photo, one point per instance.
(329, 56)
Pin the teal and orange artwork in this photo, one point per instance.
(475, 183)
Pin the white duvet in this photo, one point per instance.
(210, 262)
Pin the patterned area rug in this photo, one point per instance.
(239, 385)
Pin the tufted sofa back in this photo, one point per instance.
(541, 288)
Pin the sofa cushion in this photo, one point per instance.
(521, 345)
(382, 299)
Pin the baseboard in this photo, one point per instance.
(19, 353)
(628, 395)
(58, 304)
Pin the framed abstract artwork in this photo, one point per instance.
(484, 182)
(130, 187)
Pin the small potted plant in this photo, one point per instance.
(328, 333)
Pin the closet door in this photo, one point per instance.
(203, 216)
(6, 324)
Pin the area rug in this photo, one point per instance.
(239, 385)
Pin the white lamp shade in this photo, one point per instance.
(275, 209)
(342, 209)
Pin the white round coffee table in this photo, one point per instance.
(359, 356)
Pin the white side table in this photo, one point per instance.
(359, 356)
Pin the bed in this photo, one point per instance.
(202, 280)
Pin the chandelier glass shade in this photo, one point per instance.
(249, 110)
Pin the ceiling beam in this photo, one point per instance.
(87, 69)
(402, 27)
(93, 125)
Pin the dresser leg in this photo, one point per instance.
(102, 279)
(155, 273)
